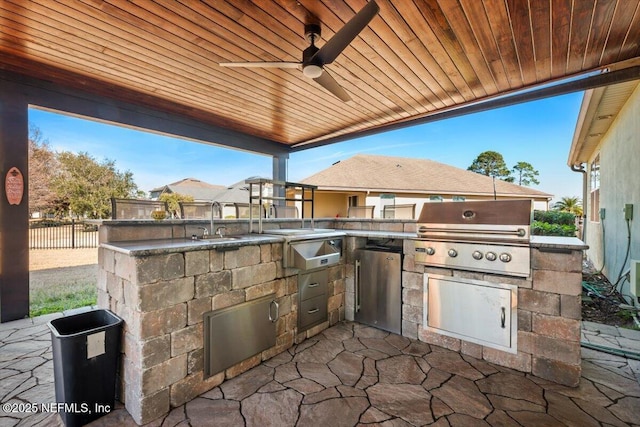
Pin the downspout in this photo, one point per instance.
(580, 168)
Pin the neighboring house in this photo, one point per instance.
(204, 192)
(199, 190)
(606, 147)
(238, 192)
(235, 193)
(378, 180)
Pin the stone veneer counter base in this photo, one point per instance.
(162, 294)
(162, 289)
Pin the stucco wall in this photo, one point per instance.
(332, 204)
(328, 205)
(619, 185)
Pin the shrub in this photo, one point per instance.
(553, 223)
(539, 228)
(554, 217)
(43, 223)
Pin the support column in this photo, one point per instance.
(280, 163)
(14, 211)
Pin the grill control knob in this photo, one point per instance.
(477, 255)
(430, 251)
(491, 256)
(453, 253)
(505, 257)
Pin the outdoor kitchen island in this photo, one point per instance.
(162, 283)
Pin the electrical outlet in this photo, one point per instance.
(602, 212)
(628, 211)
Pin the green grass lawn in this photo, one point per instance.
(56, 297)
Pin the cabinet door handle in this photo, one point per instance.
(313, 285)
(356, 280)
(274, 319)
(503, 317)
(315, 310)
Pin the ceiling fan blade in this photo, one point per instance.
(274, 64)
(329, 83)
(340, 40)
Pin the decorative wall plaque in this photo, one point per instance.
(14, 186)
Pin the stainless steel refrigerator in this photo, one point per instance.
(378, 288)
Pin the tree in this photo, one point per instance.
(173, 201)
(569, 204)
(491, 163)
(43, 166)
(525, 174)
(88, 185)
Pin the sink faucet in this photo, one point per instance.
(217, 206)
(205, 232)
(219, 231)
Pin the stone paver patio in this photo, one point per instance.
(354, 375)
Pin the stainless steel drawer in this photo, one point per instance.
(313, 284)
(312, 311)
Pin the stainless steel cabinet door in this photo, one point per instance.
(236, 333)
(379, 290)
(473, 310)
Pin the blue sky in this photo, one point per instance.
(538, 132)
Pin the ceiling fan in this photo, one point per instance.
(314, 59)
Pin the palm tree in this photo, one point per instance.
(569, 204)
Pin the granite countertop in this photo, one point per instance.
(558, 242)
(165, 246)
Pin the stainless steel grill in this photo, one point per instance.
(487, 236)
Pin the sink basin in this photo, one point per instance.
(216, 238)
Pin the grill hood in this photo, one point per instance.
(486, 220)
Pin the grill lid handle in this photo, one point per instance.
(521, 232)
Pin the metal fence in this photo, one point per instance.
(48, 234)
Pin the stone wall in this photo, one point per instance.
(548, 314)
(162, 299)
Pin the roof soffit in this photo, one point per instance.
(599, 110)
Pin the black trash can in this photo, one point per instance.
(86, 349)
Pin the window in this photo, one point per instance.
(435, 198)
(594, 203)
(459, 198)
(353, 200)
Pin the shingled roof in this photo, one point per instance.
(385, 174)
(200, 190)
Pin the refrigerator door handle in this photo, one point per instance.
(357, 284)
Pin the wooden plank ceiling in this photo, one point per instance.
(415, 58)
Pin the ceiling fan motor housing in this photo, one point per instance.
(311, 67)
